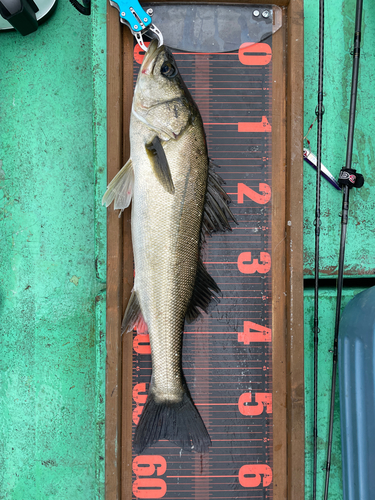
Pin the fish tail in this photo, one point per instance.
(177, 422)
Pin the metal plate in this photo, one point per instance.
(214, 28)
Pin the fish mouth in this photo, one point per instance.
(150, 57)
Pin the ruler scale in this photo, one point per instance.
(227, 355)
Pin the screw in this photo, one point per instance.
(256, 13)
(145, 19)
(266, 13)
(150, 12)
(123, 14)
(135, 26)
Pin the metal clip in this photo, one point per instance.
(138, 20)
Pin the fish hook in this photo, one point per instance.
(84, 9)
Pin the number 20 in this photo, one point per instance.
(261, 198)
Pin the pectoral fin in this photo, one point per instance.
(159, 164)
(120, 188)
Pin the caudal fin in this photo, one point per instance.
(177, 422)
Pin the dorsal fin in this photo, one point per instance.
(205, 289)
(216, 217)
(159, 162)
(216, 214)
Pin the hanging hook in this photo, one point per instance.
(84, 9)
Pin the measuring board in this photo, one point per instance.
(227, 355)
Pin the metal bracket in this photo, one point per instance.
(137, 19)
(132, 14)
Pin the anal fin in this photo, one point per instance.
(133, 318)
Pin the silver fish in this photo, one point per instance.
(176, 198)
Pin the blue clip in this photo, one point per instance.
(138, 20)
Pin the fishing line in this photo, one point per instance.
(319, 113)
(348, 179)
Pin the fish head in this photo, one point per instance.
(161, 99)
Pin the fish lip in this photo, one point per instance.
(150, 57)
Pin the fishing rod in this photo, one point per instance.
(319, 112)
(348, 179)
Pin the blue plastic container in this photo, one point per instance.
(356, 351)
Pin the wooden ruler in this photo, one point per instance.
(227, 355)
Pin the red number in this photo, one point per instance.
(141, 344)
(262, 126)
(149, 487)
(261, 333)
(245, 265)
(145, 487)
(249, 407)
(140, 400)
(139, 53)
(137, 414)
(137, 396)
(255, 54)
(250, 476)
(262, 197)
(147, 465)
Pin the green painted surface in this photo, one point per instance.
(52, 255)
(339, 33)
(327, 310)
(359, 257)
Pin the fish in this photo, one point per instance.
(177, 200)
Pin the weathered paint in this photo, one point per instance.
(52, 311)
(339, 34)
(52, 230)
(359, 257)
(327, 309)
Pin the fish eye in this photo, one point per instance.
(168, 70)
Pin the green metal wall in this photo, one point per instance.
(52, 304)
(339, 34)
(359, 260)
(52, 252)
